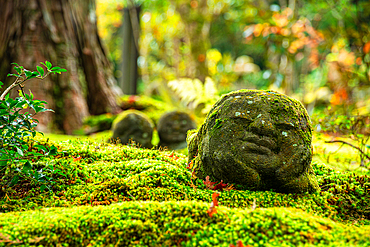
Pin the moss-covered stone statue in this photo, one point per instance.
(259, 139)
(135, 126)
(172, 128)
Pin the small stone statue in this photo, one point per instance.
(172, 128)
(133, 126)
(259, 139)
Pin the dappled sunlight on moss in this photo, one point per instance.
(100, 199)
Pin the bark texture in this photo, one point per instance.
(63, 32)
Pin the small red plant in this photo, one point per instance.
(214, 186)
(132, 99)
(209, 185)
(239, 243)
(212, 209)
(173, 156)
(220, 186)
(190, 165)
(77, 159)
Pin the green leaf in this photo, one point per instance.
(60, 173)
(19, 70)
(14, 180)
(59, 70)
(40, 147)
(19, 151)
(55, 68)
(20, 104)
(3, 163)
(53, 150)
(48, 64)
(31, 95)
(40, 70)
(28, 73)
(13, 103)
(15, 64)
(14, 75)
(33, 75)
(27, 167)
(42, 187)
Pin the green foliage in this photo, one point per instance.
(101, 122)
(326, 42)
(194, 94)
(353, 128)
(18, 129)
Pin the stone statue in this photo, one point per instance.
(172, 128)
(133, 126)
(259, 139)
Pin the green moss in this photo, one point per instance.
(139, 197)
(170, 223)
(151, 107)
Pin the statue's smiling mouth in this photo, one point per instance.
(261, 145)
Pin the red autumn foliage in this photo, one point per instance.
(190, 165)
(239, 243)
(173, 156)
(132, 99)
(220, 186)
(77, 159)
(209, 184)
(212, 209)
(214, 186)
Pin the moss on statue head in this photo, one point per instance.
(261, 139)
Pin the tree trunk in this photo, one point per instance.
(63, 32)
(197, 20)
(128, 80)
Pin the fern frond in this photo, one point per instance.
(193, 92)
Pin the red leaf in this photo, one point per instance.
(220, 186)
(212, 209)
(209, 184)
(76, 159)
(190, 165)
(214, 198)
(239, 243)
(132, 99)
(172, 155)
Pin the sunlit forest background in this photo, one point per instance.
(315, 51)
(80, 78)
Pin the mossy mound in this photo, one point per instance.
(151, 107)
(133, 126)
(97, 194)
(172, 128)
(184, 223)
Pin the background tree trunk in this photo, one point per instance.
(63, 32)
(128, 80)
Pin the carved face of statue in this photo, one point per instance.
(134, 127)
(173, 126)
(257, 138)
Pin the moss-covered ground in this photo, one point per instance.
(112, 195)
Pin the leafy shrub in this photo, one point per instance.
(17, 128)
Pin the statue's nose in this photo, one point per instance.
(263, 125)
